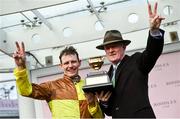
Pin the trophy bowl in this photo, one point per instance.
(97, 81)
(96, 62)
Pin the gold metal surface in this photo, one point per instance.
(96, 62)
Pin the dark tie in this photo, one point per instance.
(76, 79)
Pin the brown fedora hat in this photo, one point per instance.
(112, 36)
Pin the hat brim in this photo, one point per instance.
(125, 42)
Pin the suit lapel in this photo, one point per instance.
(119, 71)
(120, 82)
(110, 72)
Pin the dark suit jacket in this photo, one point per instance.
(130, 95)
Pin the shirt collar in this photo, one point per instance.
(74, 79)
(116, 65)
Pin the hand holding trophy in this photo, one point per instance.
(97, 81)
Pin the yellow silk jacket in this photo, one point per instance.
(65, 99)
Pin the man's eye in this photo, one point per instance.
(74, 61)
(66, 63)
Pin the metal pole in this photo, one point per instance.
(10, 55)
(95, 12)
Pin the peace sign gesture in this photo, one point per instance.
(20, 56)
(154, 18)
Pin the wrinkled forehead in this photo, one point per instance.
(69, 57)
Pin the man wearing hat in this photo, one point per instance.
(129, 74)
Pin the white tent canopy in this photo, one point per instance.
(47, 26)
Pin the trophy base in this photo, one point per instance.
(98, 87)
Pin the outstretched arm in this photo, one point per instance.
(23, 85)
(155, 41)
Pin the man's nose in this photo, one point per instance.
(70, 64)
(110, 49)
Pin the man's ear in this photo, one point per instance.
(124, 46)
(60, 65)
(79, 62)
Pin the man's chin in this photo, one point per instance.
(114, 61)
(71, 75)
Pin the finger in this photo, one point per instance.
(155, 8)
(106, 98)
(109, 95)
(101, 94)
(17, 46)
(155, 19)
(23, 47)
(14, 55)
(97, 94)
(149, 10)
(161, 18)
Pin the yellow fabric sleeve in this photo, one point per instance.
(24, 87)
(95, 111)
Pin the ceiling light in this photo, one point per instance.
(32, 24)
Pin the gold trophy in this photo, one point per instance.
(97, 81)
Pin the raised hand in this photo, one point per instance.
(20, 56)
(154, 18)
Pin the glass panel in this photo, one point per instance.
(10, 20)
(67, 8)
(168, 10)
(30, 15)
